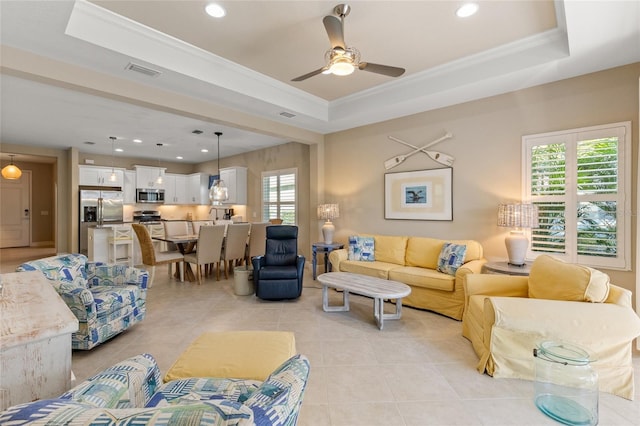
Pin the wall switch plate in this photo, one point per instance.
(89, 161)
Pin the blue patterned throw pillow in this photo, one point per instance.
(361, 248)
(451, 258)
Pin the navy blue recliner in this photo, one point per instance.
(278, 274)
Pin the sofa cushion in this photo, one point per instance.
(373, 269)
(423, 252)
(390, 249)
(234, 354)
(422, 277)
(110, 299)
(204, 389)
(554, 279)
(474, 249)
(451, 258)
(361, 248)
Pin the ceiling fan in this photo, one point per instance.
(343, 60)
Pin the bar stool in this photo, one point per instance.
(122, 236)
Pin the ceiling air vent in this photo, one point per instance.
(142, 70)
(287, 114)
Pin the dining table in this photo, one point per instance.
(186, 244)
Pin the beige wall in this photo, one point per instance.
(348, 167)
(60, 190)
(487, 150)
(42, 202)
(287, 156)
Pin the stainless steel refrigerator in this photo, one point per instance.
(98, 206)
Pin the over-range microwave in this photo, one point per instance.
(150, 196)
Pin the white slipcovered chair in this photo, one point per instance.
(506, 317)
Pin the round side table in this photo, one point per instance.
(505, 268)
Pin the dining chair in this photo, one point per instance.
(152, 257)
(257, 238)
(176, 227)
(235, 245)
(275, 221)
(196, 224)
(210, 239)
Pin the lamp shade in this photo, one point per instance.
(518, 215)
(328, 211)
(11, 171)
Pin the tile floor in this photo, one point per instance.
(417, 371)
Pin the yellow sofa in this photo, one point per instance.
(506, 317)
(414, 261)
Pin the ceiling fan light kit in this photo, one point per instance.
(342, 60)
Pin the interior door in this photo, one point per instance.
(15, 211)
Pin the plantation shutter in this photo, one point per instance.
(279, 196)
(577, 180)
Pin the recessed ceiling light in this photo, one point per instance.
(215, 10)
(204, 150)
(119, 150)
(137, 140)
(467, 10)
(179, 157)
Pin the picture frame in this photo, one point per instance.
(419, 195)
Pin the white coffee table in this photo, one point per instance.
(377, 288)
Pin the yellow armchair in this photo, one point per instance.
(504, 323)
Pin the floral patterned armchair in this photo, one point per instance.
(106, 299)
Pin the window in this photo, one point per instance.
(579, 179)
(279, 196)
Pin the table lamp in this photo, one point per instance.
(518, 216)
(328, 212)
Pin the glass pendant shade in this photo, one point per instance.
(112, 178)
(218, 191)
(11, 171)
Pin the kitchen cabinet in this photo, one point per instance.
(147, 177)
(129, 187)
(100, 176)
(199, 188)
(98, 244)
(235, 178)
(176, 189)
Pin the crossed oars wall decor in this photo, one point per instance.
(439, 157)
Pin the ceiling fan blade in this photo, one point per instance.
(335, 31)
(381, 69)
(311, 74)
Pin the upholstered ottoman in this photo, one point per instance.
(234, 354)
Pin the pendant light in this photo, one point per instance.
(159, 179)
(11, 171)
(112, 178)
(218, 191)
